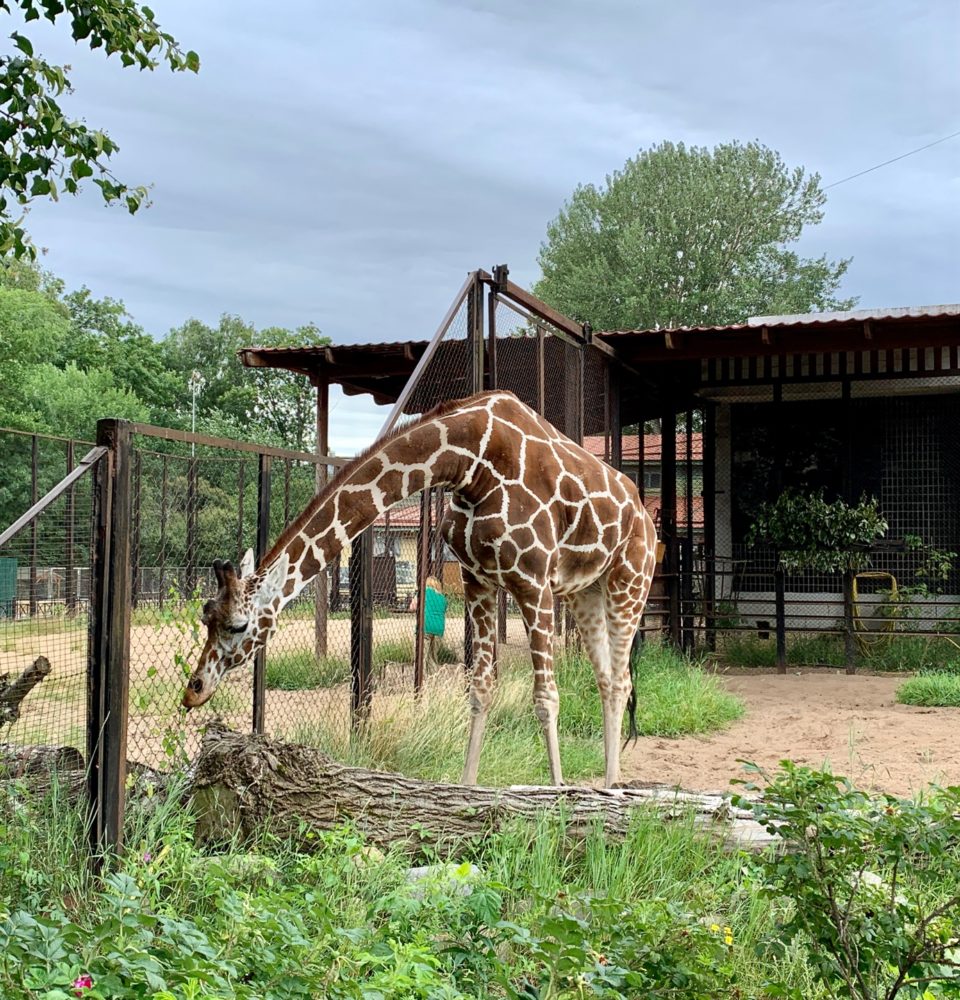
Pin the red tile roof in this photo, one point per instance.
(651, 447)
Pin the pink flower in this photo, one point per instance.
(147, 858)
(81, 983)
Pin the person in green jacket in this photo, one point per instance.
(434, 614)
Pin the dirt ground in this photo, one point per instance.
(812, 717)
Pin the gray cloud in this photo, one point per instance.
(347, 164)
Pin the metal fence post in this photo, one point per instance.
(108, 676)
(190, 584)
(423, 571)
(263, 541)
(69, 570)
(33, 582)
(361, 627)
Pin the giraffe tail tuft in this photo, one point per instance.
(632, 731)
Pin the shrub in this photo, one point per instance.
(874, 882)
(932, 690)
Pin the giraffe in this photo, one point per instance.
(530, 511)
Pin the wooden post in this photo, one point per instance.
(263, 543)
(475, 332)
(361, 627)
(108, 672)
(321, 590)
(136, 529)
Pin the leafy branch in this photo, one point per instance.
(43, 150)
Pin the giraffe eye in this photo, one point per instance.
(237, 629)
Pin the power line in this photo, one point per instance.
(919, 149)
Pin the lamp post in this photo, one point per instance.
(196, 383)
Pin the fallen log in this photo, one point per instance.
(11, 695)
(17, 761)
(244, 783)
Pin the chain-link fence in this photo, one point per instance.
(44, 600)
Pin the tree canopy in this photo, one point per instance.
(42, 149)
(70, 358)
(686, 236)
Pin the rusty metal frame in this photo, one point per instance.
(428, 354)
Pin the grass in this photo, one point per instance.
(270, 920)
(300, 670)
(402, 651)
(901, 653)
(426, 737)
(933, 690)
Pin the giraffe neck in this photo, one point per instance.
(432, 453)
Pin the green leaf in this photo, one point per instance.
(193, 62)
(22, 43)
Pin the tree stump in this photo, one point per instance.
(11, 695)
(244, 783)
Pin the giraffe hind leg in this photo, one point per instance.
(480, 598)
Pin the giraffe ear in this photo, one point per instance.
(274, 580)
(246, 564)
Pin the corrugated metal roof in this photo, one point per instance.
(824, 319)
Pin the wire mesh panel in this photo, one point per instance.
(886, 434)
(44, 600)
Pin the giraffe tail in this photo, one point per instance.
(632, 731)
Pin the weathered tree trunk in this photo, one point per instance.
(11, 695)
(243, 783)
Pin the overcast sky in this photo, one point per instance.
(348, 163)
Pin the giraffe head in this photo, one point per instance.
(238, 620)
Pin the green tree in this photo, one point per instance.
(689, 236)
(33, 329)
(43, 150)
(69, 401)
(105, 337)
(267, 405)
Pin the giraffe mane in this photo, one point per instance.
(345, 471)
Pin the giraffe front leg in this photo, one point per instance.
(480, 598)
(537, 611)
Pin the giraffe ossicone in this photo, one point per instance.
(530, 511)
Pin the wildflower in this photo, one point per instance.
(727, 936)
(81, 983)
(715, 928)
(147, 857)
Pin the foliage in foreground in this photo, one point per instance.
(874, 882)
(666, 914)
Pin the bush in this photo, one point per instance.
(874, 882)
(302, 671)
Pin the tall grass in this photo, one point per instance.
(426, 737)
(300, 670)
